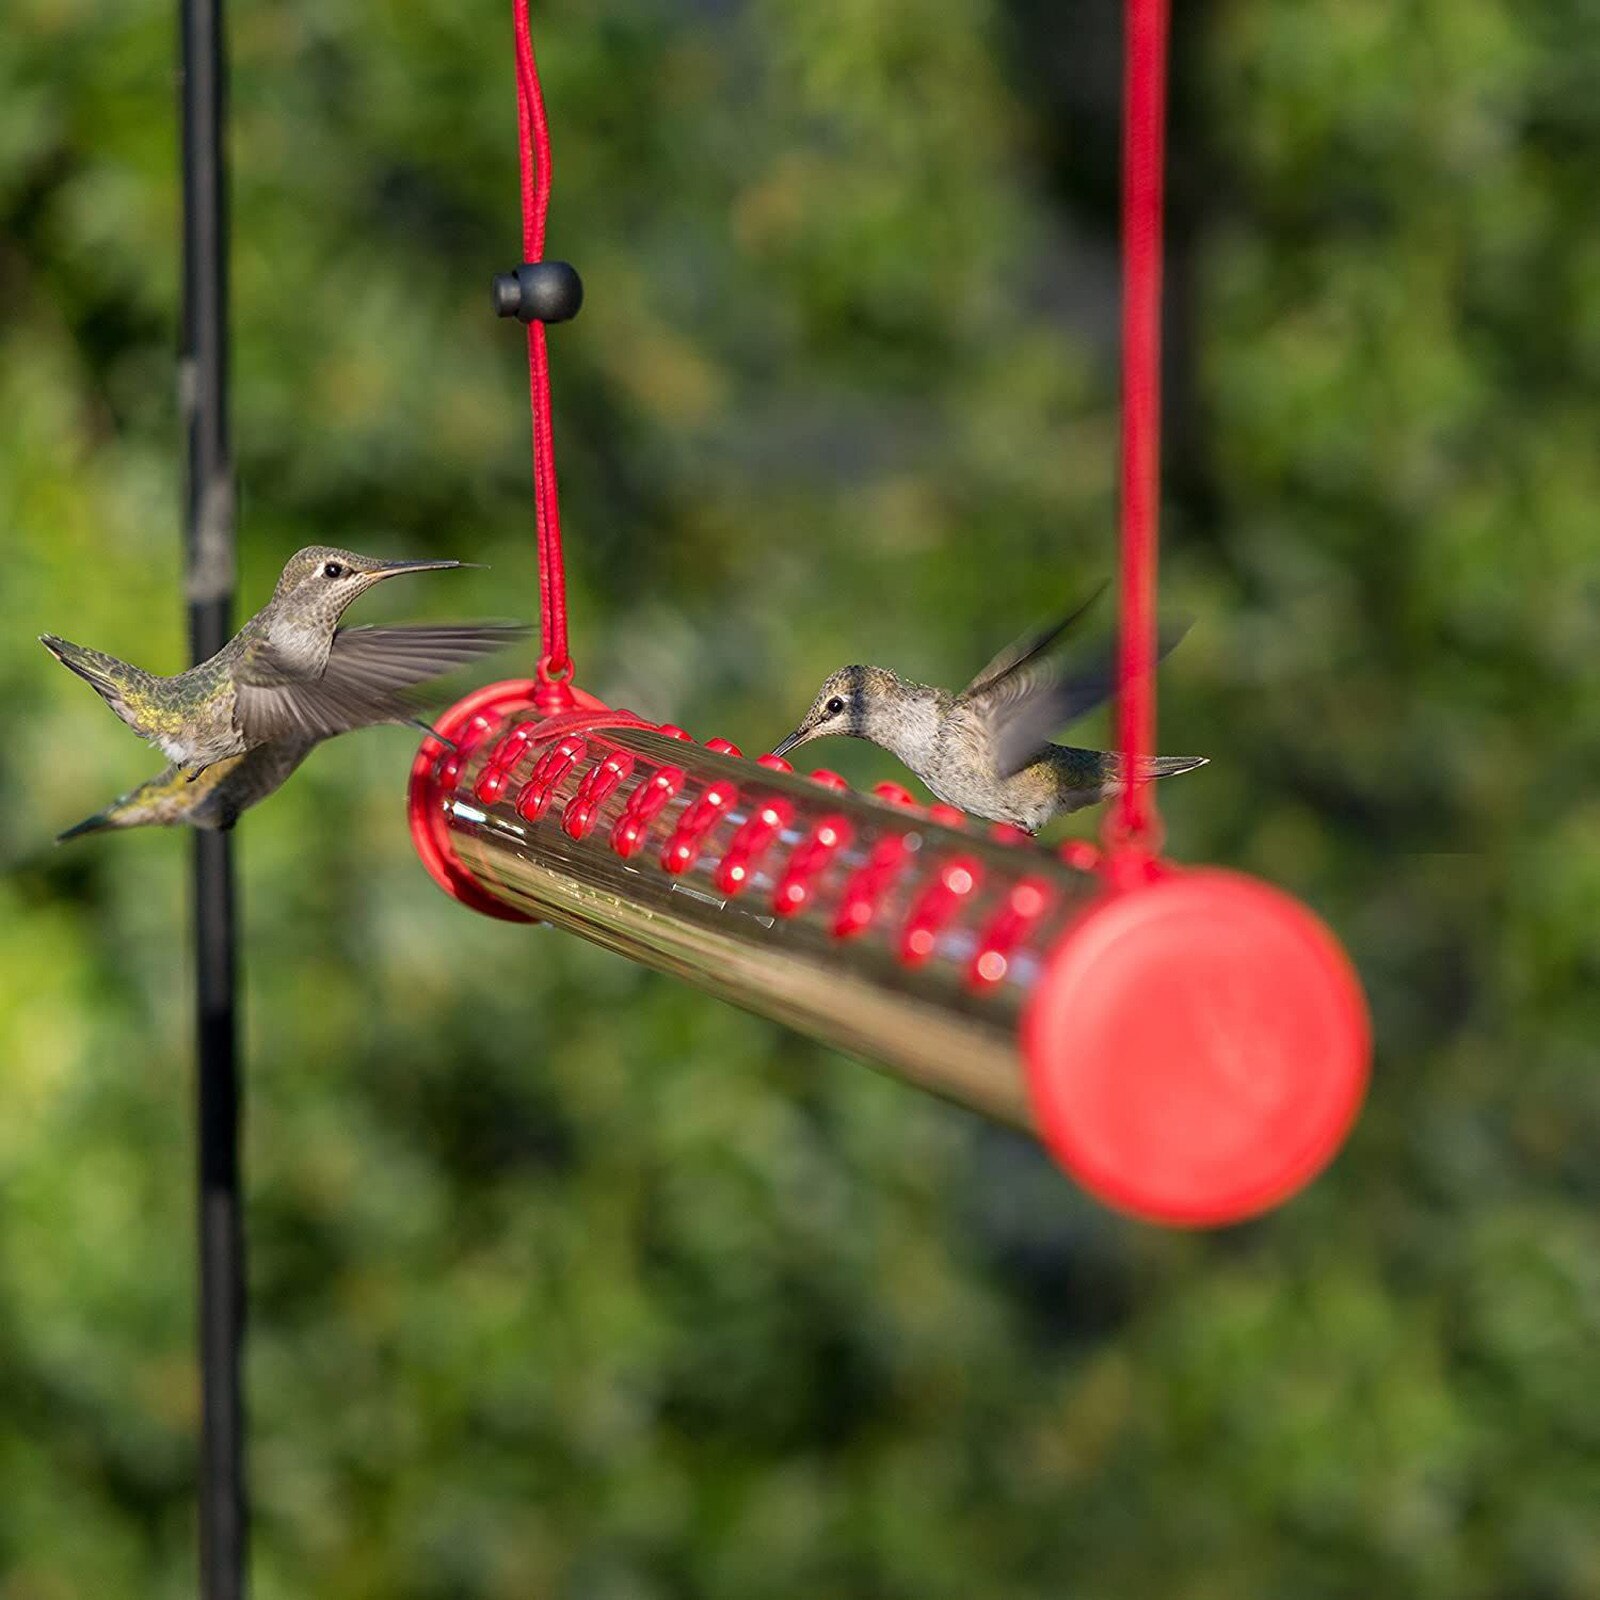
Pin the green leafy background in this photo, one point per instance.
(568, 1281)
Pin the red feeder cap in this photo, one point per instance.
(424, 803)
(1197, 1048)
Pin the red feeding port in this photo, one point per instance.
(759, 833)
(598, 785)
(866, 890)
(548, 771)
(647, 802)
(808, 863)
(937, 909)
(682, 850)
(1025, 905)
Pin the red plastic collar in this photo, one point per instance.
(433, 780)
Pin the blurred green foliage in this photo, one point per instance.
(567, 1281)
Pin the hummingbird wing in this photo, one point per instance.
(372, 675)
(1028, 648)
(1037, 695)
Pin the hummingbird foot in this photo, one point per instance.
(422, 726)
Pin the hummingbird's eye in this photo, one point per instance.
(834, 706)
(333, 570)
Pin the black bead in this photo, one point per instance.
(538, 291)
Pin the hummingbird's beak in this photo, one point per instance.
(393, 569)
(785, 745)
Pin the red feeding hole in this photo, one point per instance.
(936, 909)
(1025, 905)
(947, 816)
(447, 771)
(644, 806)
(807, 864)
(672, 731)
(508, 751)
(895, 795)
(548, 772)
(774, 763)
(599, 783)
(724, 747)
(750, 843)
(491, 785)
(1081, 854)
(683, 848)
(868, 887)
(828, 780)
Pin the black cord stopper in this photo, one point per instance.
(538, 291)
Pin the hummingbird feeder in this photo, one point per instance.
(1191, 1044)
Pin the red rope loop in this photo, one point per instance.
(1133, 827)
(534, 147)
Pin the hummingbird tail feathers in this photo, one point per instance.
(1171, 766)
(100, 822)
(106, 675)
(1112, 770)
(1084, 777)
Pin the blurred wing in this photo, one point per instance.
(1029, 647)
(372, 675)
(1034, 700)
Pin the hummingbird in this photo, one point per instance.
(987, 750)
(215, 799)
(291, 672)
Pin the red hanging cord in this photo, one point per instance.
(555, 666)
(1133, 828)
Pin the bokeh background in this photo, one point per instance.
(567, 1281)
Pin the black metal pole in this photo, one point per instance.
(203, 386)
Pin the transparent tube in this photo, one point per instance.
(866, 922)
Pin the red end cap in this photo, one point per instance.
(1197, 1048)
(487, 708)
